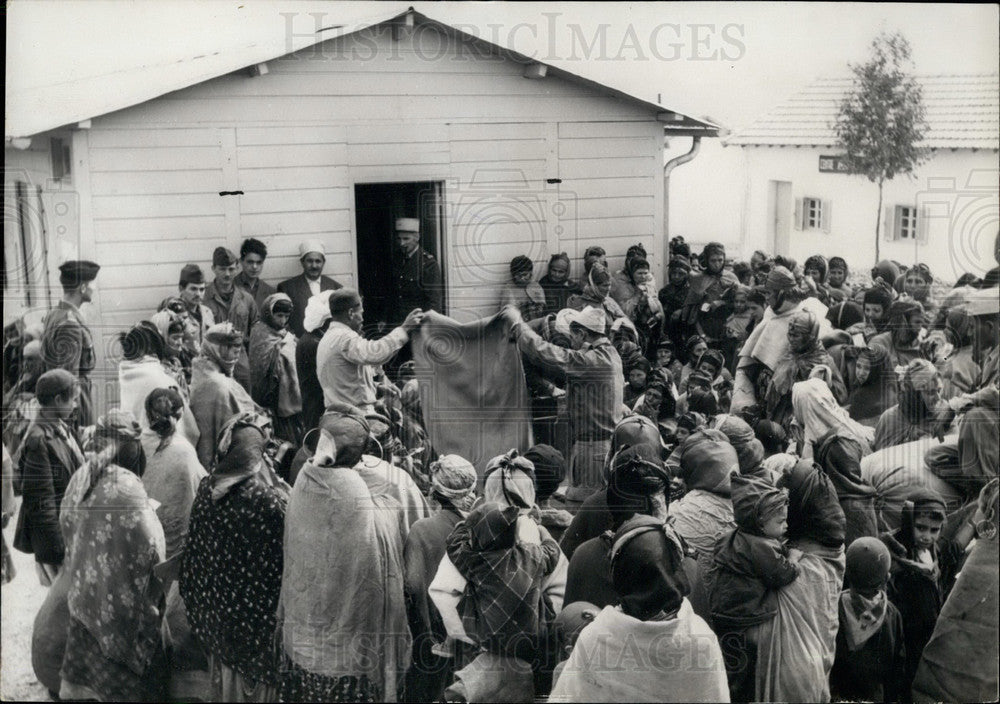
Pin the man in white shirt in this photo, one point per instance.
(345, 361)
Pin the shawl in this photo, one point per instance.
(215, 398)
(503, 597)
(556, 294)
(274, 380)
(818, 413)
(861, 617)
(701, 518)
(172, 476)
(894, 428)
(768, 342)
(136, 379)
(230, 576)
(113, 542)
(646, 569)
(795, 366)
(840, 457)
(618, 658)
(705, 461)
(342, 606)
(749, 450)
(388, 480)
(814, 511)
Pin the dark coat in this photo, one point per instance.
(875, 672)
(67, 344)
(309, 387)
(297, 288)
(748, 571)
(46, 463)
(416, 282)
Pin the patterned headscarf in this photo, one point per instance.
(219, 336)
(780, 279)
(453, 478)
(510, 480)
(275, 303)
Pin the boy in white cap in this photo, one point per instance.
(594, 382)
(312, 256)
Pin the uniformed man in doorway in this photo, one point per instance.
(66, 340)
(416, 274)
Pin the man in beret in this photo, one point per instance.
(346, 362)
(66, 339)
(311, 282)
(191, 290)
(253, 252)
(416, 276)
(231, 304)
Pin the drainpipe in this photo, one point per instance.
(667, 169)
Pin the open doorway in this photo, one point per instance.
(377, 205)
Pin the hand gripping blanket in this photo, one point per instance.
(472, 390)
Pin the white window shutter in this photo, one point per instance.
(826, 212)
(799, 214)
(888, 221)
(922, 221)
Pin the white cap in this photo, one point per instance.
(310, 246)
(562, 320)
(591, 318)
(317, 311)
(407, 225)
(983, 301)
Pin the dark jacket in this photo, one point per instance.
(67, 344)
(259, 292)
(312, 392)
(49, 457)
(748, 569)
(416, 282)
(875, 672)
(840, 458)
(297, 288)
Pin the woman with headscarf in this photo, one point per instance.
(521, 292)
(836, 280)
(595, 293)
(556, 284)
(274, 380)
(837, 443)
(141, 371)
(705, 311)
(961, 368)
(914, 413)
(342, 612)
(633, 289)
(114, 650)
(230, 576)
(215, 395)
(917, 282)
(805, 353)
(673, 295)
(749, 450)
(171, 329)
(815, 268)
(453, 491)
(550, 471)
(654, 620)
(172, 476)
(795, 659)
(173, 309)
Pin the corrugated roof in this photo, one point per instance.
(35, 107)
(962, 112)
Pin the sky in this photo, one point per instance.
(730, 62)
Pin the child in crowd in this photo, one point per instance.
(750, 564)
(694, 348)
(924, 566)
(637, 377)
(521, 291)
(556, 284)
(666, 358)
(870, 664)
(738, 323)
(568, 625)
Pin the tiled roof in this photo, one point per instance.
(962, 112)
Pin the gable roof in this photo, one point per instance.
(962, 112)
(48, 104)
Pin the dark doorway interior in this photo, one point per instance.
(377, 205)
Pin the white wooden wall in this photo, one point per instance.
(298, 139)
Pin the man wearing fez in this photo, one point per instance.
(231, 304)
(191, 290)
(311, 282)
(416, 274)
(66, 339)
(253, 252)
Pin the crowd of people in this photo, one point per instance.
(764, 481)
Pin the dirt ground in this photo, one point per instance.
(19, 602)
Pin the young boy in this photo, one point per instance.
(750, 564)
(924, 567)
(521, 291)
(870, 663)
(638, 373)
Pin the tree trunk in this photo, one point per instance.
(878, 223)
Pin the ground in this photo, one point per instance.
(21, 599)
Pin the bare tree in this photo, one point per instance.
(881, 121)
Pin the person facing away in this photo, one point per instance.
(870, 662)
(750, 565)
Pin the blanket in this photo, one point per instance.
(472, 391)
(136, 379)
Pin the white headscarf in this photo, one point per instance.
(817, 412)
(317, 311)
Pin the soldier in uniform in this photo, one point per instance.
(199, 318)
(416, 274)
(66, 339)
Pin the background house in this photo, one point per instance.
(497, 154)
(791, 196)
